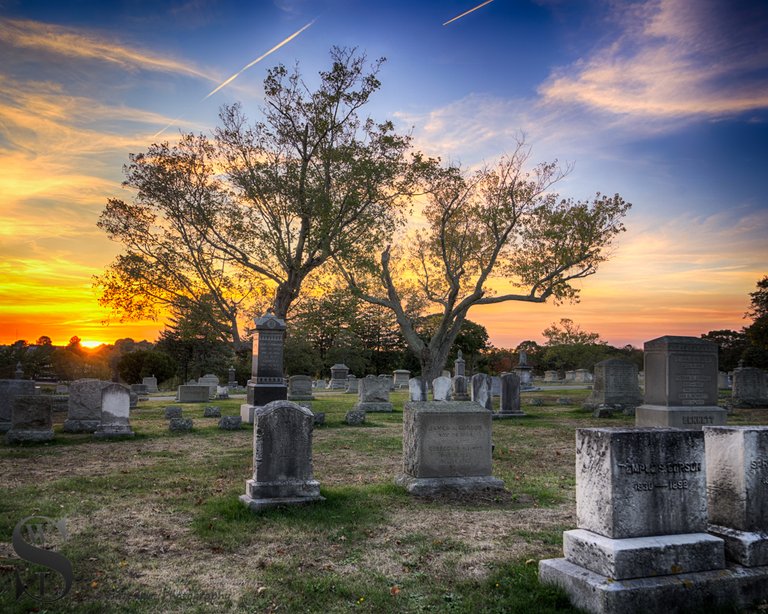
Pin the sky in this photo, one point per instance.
(662, 101)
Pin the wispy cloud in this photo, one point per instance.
(672, 59)
(76, 43)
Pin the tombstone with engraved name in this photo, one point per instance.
(641, 543)
(510, 397)
(282, 457)
(338, 381)
(481, 390)
(615, 384)
(446, 447)
(84, 408)
(31, 419)
(680, 384)
(400, 378)
(353, 385)
(737, 491)
(300, 388)
(267, 382)
(750, 387)
(374, 395)
(9, 390)
(115, 412)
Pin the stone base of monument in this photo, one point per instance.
(679, 417)
(731, 587)
(261, 394)
(430, 487)
(108, 431)
(638, 557)
(24, 436)
(264, 495)
(374, 407)
(246, 412)
(500, 415)
(81, 426)
(744, 547)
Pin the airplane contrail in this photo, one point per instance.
(260, 58)
(241, 71)
(479, 6)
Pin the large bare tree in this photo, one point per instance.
(496, 235)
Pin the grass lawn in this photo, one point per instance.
(154, 523)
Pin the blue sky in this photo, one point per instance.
(662, 101)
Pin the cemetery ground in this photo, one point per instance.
(155, 524)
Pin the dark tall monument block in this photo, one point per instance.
(267, 382)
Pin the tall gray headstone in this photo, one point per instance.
(680, 384)
(115, 412)
(737, 491)
(150, 382)
(510, 397)
(31, 419)
(84, 408)
(750, 387)
(641, 543)
(267, 381)
(615, 384)
(459, 388)
(282, 457)
(353, 385)
(374, 394)
(415, 391)
(481, 390)
(446, 447)
(459, 365)
(9, 390)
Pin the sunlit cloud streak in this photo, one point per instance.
(672, 59)
(465, 13)
(70, 42)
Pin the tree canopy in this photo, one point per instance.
(500, 224)
(242, 219)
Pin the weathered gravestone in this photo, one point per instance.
(355, 417)
(441, 388)
(750, 387)
(181, 425)
(446, 447)
(551, 376)
(680, 384)
(737, 490)
(172, 411)
(510, 397)
(267, 383)
(9, 390)
(282, 457)
(353, 385)
(230, 423)
(615, 384)
(481, 390)
(115, 412)
(300, 388)
(141, 391)
(459, 391)
(389, 380)
(84, 408)
(339, 373)
(415, 390)
(400, 378)
(524, 371)
(211, 411)
(231, 378)
(193, 393)
(31, 419)
(374, 395)
(723, 381)
(641, 509)
(210, 380)
(150, 382)
(495, 385)
(582, 376)
(570, 376)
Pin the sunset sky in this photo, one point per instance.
(664, 102)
